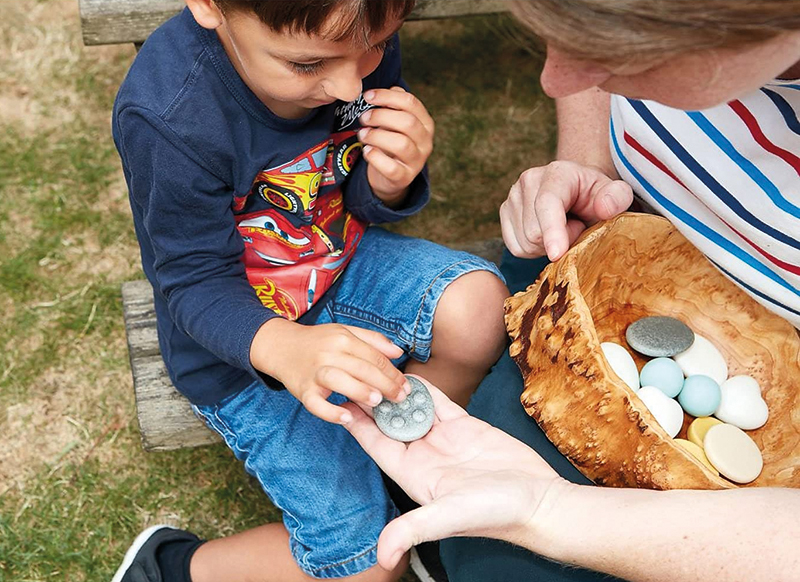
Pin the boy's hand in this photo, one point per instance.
(315, 361)
(398, 138)
(534, 217)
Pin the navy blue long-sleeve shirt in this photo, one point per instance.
(241, 215)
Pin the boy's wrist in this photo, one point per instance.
(392, 200)
(266, 347)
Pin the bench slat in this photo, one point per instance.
(166, 420)
(123, 21)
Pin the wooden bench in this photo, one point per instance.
(166, 420)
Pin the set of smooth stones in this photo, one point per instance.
(690, 368)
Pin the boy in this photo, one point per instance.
(240, 127)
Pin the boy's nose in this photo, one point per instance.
(563, 75)
(345, 86)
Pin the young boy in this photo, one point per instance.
(259, 140)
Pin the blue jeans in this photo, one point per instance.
(331, 493)
(497, 401)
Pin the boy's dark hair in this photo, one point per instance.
(355, 18)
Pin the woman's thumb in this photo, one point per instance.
(424, 524)
(612, 199)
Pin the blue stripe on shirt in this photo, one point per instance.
(749, 167)
(786, 110)
(704, 230)
(715, 187)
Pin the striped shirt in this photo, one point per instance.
(728, 178)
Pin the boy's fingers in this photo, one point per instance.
(321, 408)
(340, 379)
(365, 379)
(376, 340)
(394, 144)
(390, 168)
(379, 355)
(401, 122)
(401, 100)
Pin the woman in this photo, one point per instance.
(691, 105)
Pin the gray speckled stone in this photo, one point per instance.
(408, 420)
(659, 336)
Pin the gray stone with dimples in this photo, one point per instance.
(659, 336)
(408, 420)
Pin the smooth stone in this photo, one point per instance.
(666, 411)
(408, 420)
(700, 396)
(697, 452)
(699, 427)
(663, 373)
(622, 363)
(742, 404)
(734, 454)
(659, 336)
(703, 358)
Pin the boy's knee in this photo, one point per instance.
(470, 315)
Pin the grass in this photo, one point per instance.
(75, 486)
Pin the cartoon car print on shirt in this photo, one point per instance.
(298, 246)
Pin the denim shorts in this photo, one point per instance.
(331, 493)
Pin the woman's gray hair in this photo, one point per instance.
(623, 30)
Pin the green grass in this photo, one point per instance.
(75, 486)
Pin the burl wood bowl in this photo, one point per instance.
(619, 271)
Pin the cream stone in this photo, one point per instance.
(622, 363)
(667, 411)
(703, 358)
(734, 454)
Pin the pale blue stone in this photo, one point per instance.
(663, 373)
(700, 396)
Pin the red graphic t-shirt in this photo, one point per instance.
(296, 249)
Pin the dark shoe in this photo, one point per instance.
(140, 563)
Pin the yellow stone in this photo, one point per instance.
(699, 427)
(697, 452)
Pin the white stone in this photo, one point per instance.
(622, 363)
(667, 411)
(703, 358)
(742, 404)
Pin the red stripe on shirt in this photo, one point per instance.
(794, 269)
(758, 135)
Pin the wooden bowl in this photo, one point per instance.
(619, 271)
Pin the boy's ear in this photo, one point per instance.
(206, 13)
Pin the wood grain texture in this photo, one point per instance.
(618, 272)
(166, 419)
(123, 21)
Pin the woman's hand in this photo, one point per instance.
(470, 478)
(550, 206)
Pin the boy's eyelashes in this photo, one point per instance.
(316, 66)
(306, 68)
